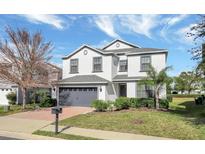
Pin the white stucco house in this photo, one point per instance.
(108, 73)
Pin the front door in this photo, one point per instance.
(123, 90)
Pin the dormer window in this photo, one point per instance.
(74, 66)
(97, 64)
(123, 66)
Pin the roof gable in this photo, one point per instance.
(79, 49)
(119, 44)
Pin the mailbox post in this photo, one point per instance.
(56, 110)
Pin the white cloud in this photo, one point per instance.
(112, 25)
(106, 24)
(140, 24)
(181, 34)
(101, 44)
(168, 23)
(171, 21)
(52, 20)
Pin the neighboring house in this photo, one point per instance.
(108, 73)
(54, 74)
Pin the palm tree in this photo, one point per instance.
(157, 80)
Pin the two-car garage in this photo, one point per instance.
(77, 96)
(81, 90)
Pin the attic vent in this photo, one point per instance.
(117, 45)
(85, 52)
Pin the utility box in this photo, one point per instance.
(56, 110)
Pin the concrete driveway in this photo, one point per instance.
(28, 122)
(45, 114)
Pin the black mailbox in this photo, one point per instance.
(56, 110)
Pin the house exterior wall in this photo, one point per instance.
(85, 64)
(102, 94)
(115, 63)
(131, 89)
(158, 61)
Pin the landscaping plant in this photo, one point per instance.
(100, 105)
(11, 97)
(121, 103)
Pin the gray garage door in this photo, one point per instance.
(74, 96)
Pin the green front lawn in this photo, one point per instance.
(62, 135)
(184, 120)
(15, 109)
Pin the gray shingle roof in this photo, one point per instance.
(83, 79)
(126, 78)
(133, 50)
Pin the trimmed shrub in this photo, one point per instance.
(110, 106)
(11, 98)
(46, 101)
(121, 103)
(149, 102)
(99, 105)
(164, 103)
(134, 102)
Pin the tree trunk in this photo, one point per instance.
(23, 90)
(157, 99)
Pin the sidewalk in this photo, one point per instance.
(101, 134)
(19, 125)
(25, 136)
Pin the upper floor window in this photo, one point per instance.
(74, 66)
(145, 63)
(123, 66)
(97, 64)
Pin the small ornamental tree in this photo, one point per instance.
(22, 59)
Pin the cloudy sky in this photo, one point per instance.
(68, 32)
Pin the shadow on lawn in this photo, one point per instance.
(191, 111)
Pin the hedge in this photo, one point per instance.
(184, 95)
(126, 103)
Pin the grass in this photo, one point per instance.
(184, 120)
(62, 135)
(15, 109)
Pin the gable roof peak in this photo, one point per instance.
(122, 41)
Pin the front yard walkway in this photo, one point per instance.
(100, 134)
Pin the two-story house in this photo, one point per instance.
(108, 73)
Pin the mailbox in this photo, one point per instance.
(56, 110)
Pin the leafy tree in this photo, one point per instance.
(169, 87)
(187, 81)
(180, 84)
(158, 80)
(23, 57)
(197, 32)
